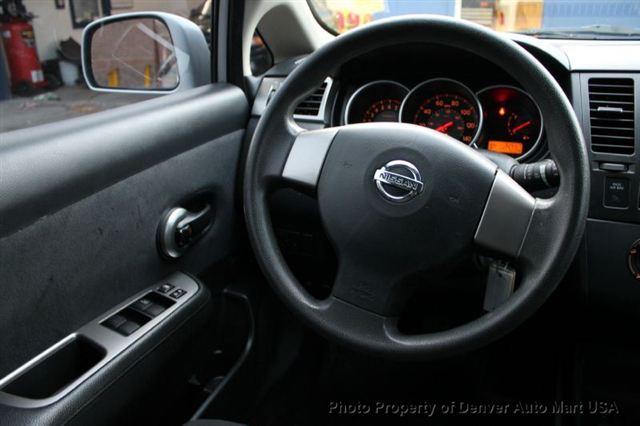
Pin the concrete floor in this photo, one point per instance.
(65, 102)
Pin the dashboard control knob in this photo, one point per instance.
(634, 260)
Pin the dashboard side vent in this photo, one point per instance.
(611, 112)
(310, 107)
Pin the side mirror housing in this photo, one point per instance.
(146, 52)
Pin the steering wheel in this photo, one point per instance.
(396, 199)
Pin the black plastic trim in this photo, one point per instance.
(202, 409)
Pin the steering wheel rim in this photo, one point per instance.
(550, 240)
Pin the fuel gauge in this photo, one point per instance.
(521, 126)
(512, 121)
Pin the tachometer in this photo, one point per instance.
(378, 101)
(446, 106)
(382, 110)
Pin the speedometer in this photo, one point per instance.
(450, 114)
(446, 106)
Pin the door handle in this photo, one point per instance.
(180, 228)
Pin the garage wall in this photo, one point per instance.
(53, 25)
(50, 25)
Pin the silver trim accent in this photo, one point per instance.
(171, 222)
(113, 342)
(412, 184)
(609, 109)
(543, 175)
(364, 87)
(307, 155)
(449, 80)
(506, 217)
(536, 145)
(167, 232)
(323, 104)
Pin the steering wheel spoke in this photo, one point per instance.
(306, 158)
(345, 320)
(540, 233)
(506, 217)
(376, 287)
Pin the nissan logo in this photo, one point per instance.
(398, 181)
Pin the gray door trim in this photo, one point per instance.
(45, 168)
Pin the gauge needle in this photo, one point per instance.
(521, 126)
(444, 127)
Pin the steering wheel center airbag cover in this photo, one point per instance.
(429, 229)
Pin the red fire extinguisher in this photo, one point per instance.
(20, 48)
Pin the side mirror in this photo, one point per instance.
(147, 52)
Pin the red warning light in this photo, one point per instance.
(502, 111)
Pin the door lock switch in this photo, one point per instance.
(180, 228)
(184, 235)
(178, 293)
(165, 288)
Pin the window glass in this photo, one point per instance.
(580, 19)
(41, 79)
(261, 57)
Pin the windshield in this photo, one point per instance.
(572, 19)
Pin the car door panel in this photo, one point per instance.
(158, 365)
(82, 200)
(47, 167)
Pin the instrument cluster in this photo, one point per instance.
(502, 119)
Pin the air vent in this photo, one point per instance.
(310, 107)
(611, 108)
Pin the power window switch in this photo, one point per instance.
(165, 288)
(154, 310)
(178, 293)
(114, 321)
(128, 327)
(142, 304)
